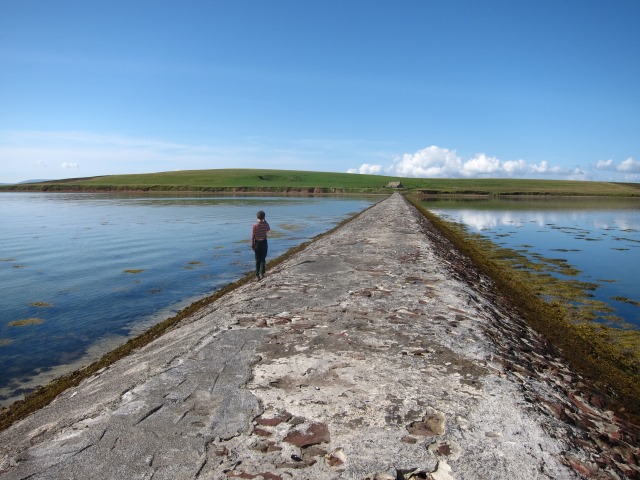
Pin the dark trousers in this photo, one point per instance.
(260, 249)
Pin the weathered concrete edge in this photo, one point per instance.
(44, 395)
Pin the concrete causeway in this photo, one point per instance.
(375, 353)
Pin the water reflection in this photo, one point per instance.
(108, 265)
(598, 236)
(622, 221)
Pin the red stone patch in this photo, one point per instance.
(315, 434)
(275, 421)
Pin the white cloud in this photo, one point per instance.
(544, 168)
(69, 165)
(438, 162)
(432, 161)
(481, 165)
(605, 165)
(367, 168)
(629, 165)
(514, 167)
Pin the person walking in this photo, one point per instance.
(259, 243)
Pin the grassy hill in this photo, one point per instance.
(243, 180)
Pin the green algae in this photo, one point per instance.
(26, 321)
(550, 278)
(40, 304)
(290, 226)
(624, 239)
(133, 271)
(626, 300)
(192, 265)
(598, 344)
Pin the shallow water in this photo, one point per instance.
(87, 271)
(598, 236)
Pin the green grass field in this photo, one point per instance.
(234, 180)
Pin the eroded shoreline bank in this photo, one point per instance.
(377, 350)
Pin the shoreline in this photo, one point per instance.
(300, 191)
(44, 394)
(397, 333)
(275, 181)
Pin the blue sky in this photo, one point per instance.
(428, 88)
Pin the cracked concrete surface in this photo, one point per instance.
(374, 353)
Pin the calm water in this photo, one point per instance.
(598, 236)
(89, 270)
